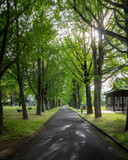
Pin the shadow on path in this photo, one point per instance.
(69, 138)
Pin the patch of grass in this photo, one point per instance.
(16, 127)
(85, 110)
(112, 123)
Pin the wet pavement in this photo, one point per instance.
(68, 137)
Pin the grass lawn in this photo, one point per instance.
(111, 123)
(16, 127)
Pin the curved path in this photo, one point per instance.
(68, 137)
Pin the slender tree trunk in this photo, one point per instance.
(126, 126)
(11, 102)
(78, 94)
(88, 99)
(50, 101)
(126, 23)
(45, 98)
(53, 103)
(22, 97)
(59, 103)
(74, 98)
(56, 102)
(42, 101)
(19, 73)
(1, 113)
(88, 90)
(46, 103)
(39, 96)
(43, 76)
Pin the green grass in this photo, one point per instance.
(79, 110)
(16, 127)
(112, 123)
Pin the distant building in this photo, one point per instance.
(116, 100)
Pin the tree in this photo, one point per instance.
(80, 58)
(8, 16)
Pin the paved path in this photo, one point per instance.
(69, 138)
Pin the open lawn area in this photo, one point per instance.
(111, 123)
(16, 127)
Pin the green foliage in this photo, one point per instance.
(120, 83)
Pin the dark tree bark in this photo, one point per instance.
(78, 94)
(126, 23)
(42, 100)
(74, 95)
(53, 103)
(5, 33)
(50, 101)
(88, 90)
(126, 126)
(20, 70)
(88, 99)
(45, 97)
(46, 102)
(39, 96)
(1, 113)
(22, 97)
(11, 100)
(98, 62)
(43, 76)
(59, 103)
(97, 96)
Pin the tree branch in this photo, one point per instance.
(16, 17)
(110, 33)
(114, 4)
(5, 34)
(30, 85)
(117, 22)
(114, 46)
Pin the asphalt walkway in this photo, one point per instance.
(68, 137)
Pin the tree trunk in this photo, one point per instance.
(39, 96)
(11, 102)
(45, 98)
(42, 101)
(78, 95)
(74, 101)
(126, 23)
(43, 76)
(88, 99)
(4, 40)
(46, 103)
(59, 103)
(97, 96)
(74, 98)
(19, 72)
(126, 126)
(53, 103)
(97, 61)
(1, 113)
(50, 101)
(22, 97)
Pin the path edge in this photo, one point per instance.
(7, 153)
(104, 133)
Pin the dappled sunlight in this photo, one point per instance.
(81, 134)
(67, 138)
(61, 145)
(46, 141)
(65, 127)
